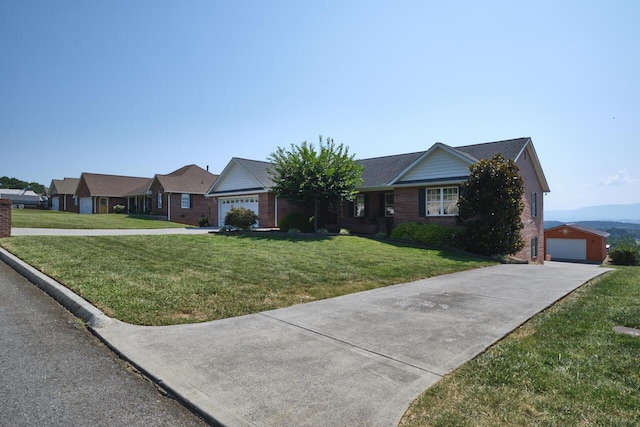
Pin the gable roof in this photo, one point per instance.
(581, 228)
(510, 149)
(256, 171)
(190, 179)
(115, 185)
(383, 172)
(380, 171)
(64, 186)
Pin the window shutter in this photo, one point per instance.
(366, 205)
(381, 207)
(422, 202)
(190, 200)
(351, 209)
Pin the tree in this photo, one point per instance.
(306, 176)
(490, 206)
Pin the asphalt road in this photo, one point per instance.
(53, 372)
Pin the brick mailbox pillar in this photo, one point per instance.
(5, 217)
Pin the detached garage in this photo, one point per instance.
(572, 242)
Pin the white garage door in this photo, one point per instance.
(86, 206)
(574, 249)
(55, 203)
(227, 203)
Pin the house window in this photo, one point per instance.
(186, 201)
(442, 201)
(534, 204)
(388, 204)
(534, 247)
(358, 206)
(159, 200)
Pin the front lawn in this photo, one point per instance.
(565, 367)
(35, 218)
(161, 280)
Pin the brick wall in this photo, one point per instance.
(200, 206)
(5, 217)
(533, 225)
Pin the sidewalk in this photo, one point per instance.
(355, 360)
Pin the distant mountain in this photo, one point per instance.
(597, 225)
(617, 213)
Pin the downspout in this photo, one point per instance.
(169, 207)
(276, 213)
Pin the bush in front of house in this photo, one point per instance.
(298, 221)
(434, 234)
(119, 209)
(241, 217)
(625, 253)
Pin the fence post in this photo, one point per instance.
(5, 217)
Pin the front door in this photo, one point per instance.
(104, 205)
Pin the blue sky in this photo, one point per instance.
(145, 87)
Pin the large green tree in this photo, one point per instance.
(490, 207)
(308, 176)
(15, 183)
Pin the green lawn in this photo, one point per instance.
(160, 280)
(565, 367)
(35, 218)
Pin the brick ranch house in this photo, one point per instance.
(99, 193)
(62, 195)
(415, 187)
(179, 195)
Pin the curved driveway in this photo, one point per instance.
(355, 360)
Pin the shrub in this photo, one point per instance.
(119, 209)
(322, 231)
(626, 253)
(203, 221)
(241, 217)
(296, 220)
(344, 232)
(434, 234)
(294, 231)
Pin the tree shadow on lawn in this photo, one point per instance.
(447, 252)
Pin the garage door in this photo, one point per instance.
(573, 249)
(86, 205)
(55, 203)
(227, 203)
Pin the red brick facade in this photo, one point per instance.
(267, 203)
(533, 212)
(5, 218)
(173, 211)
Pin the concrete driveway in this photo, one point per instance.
(356, 360)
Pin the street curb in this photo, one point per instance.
(72, 302)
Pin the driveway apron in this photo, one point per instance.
(355, 360)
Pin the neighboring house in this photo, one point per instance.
(21, 198)
(415, 187)
(98, 193)
(247, 184)
(572, 242)
(62, 195)
(180, 195)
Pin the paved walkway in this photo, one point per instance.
(356, 360)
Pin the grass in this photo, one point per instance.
(35, 218)
(565, 367)
(161, 280)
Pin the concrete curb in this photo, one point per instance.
(81, 308)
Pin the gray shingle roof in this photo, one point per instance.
(259, 170)
(510, 149)
(380, 171)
